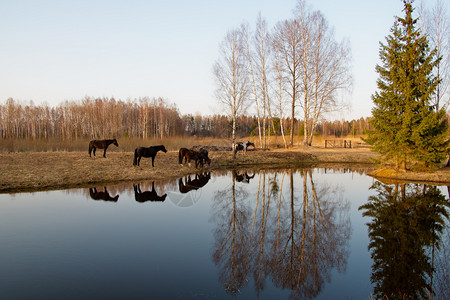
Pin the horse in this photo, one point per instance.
(102, 195)
(147, 195)
(147, 152)
(243, 146)
(200, 157)
(101, 144)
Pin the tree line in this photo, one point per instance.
(141, 118)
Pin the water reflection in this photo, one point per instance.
(242, 176)
(296, 242)
(405, 233)
(151, 195)
(189, 184)
(105, 196)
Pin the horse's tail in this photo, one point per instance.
(135, 157)
(180, 157)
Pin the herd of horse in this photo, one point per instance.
(200, 157)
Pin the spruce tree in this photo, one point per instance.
(406, 126)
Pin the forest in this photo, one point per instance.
(141, 118)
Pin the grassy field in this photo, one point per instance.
(29, 171)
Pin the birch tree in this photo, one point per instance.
(436, 25)
(287, 40)
(262, 54)
(330, 75)
(231, 74)
(324, 68)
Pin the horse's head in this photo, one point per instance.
(250, 144)
(163, 149)
(115, 142)
(204, 156)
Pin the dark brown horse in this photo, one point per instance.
(147, 195)
(200, 157)
(102, 195)
(243, 146)
(101, 144)
(147, 152)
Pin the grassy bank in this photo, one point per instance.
(32, 171)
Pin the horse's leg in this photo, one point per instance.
(153, 161)
(139, 160)
(90, 150)
(93, 148)
(104, 152)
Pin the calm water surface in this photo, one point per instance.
(276, 234)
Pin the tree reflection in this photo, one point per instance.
(231, 238)
(294, 236)
(406, 224)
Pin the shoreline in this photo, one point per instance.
(41, 171)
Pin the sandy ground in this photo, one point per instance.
(56, 170)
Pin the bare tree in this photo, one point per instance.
(262, 54)
(252, 73)
(436, 25)
(324, 66)
(279, 89)
(331, 74)
(231, 75)
(286, 41)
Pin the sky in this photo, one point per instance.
(53, 51)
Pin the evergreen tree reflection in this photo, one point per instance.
(294, 235)
(406, 224)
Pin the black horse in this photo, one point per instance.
(101, 144)
(147, 152)
(147, 195)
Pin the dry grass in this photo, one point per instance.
(54, 170)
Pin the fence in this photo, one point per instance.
(338, 143)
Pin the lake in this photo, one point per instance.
(311, 233)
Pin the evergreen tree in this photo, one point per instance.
(407, 127)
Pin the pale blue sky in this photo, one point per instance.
(51, 51)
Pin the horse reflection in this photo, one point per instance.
(96, 195)
(244, 177)
(200, 180)
(147, 195)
